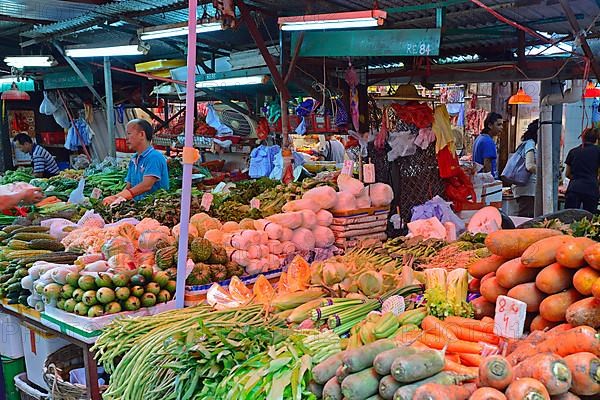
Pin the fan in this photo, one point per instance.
(241, 124)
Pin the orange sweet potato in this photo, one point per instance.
(484, 266)
(543, 252)
(554, 278)
(511, 243)
(554, 308)
(529, 294)
(513, 273)
(584, 279)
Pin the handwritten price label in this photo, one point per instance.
(96, 193)
(207, 199)
(348, 167)
(509, 321)
(255, 203)
(369, 173)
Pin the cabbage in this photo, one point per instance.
(117, 245)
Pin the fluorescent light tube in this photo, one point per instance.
(150, 33)
(240, 81)
(127, 50)
(356, 19)
(30, 61)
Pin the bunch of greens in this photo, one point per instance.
(18, 175)
(587, 228)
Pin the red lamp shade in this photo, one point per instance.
(520, 98)
(591, 91)
(15, 94)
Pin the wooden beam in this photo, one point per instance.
(578, 33)
(294, 59)
(260, 42)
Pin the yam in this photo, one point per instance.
(491, 289)
(528, 294)
(554, 308)
(554, 278)
(592, 256)
(483, 308)
(584, 280)
(584, 312)
(543, 252)
(541, 324)
(484, 266)
(571, 254)
(512, 243)
(514, 272)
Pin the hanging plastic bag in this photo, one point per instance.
(61, 117)
(212, 119)
(47, 107)
(76, 196)
(301, 128)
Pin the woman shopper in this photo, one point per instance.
(583, 162)
(525, 194)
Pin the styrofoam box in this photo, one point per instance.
(11, 345)
(24, 387)
(37, 346)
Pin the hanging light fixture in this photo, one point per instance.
(353, 19)
(15, 94)
(591, 91)
(520, 97)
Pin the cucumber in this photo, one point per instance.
(46, 244)
(29, 229)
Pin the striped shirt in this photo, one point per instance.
(43, 161)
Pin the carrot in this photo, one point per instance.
(528, 294)
(487, 393)
(584, 280)
(521, 353)
(436, 391)
(541, 324)
(495, 372)
(571, 254)
(486, 326)
(585, 368)
(513, 273)
(483, 308)
(47, 200)
(407, 392)
(471, 360)
(543, 252)
(472, 335)
(592, 256)
(484, 266)
(511, 243)
(548, 368)
(458, 368)
(433, 325)
(554, 308)
(455, 346)
(487, 320)
(491, 289)
(577, 340)
(454, 357)
(527, 389)
(584, 312)
(554, 278)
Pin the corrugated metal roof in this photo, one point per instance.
(51, 10)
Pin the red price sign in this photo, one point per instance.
(207, 199)
(369, 173)
(509, 321)
(348, 167)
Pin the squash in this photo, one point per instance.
(486, 220)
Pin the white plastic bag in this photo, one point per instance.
(212, 119)
(47, 107)
(301, 128)
(61, 118)
(76, 196)
(91, 219)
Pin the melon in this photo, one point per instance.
(486, 220)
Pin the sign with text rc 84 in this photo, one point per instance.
(369, 43)
(509, 320)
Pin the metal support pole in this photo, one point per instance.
(110, 115)
(282, 98)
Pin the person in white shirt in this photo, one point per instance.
(334, 150)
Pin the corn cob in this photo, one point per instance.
(18, 254)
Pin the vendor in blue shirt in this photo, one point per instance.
(484, 148)
(147, 171)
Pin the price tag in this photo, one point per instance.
(348, 167)
(509, 321)
(207, 199)
(219, 188)
(96, 193)
(255, 203)
(369, 173)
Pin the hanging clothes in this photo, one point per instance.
(79, 135)
(352, 80)
(262, 160)
(442, 129)
(413, 112)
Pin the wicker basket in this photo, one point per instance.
(56, 374)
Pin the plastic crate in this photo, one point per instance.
(57, 137)
(10, 329)
(121, 146)
(37, 345)
(11, 367)
(26, 389)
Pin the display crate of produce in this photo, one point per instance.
(88, 329)
(52, 137)
(352, 228)
(165, 140)
(157, 65)
(195, 295)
